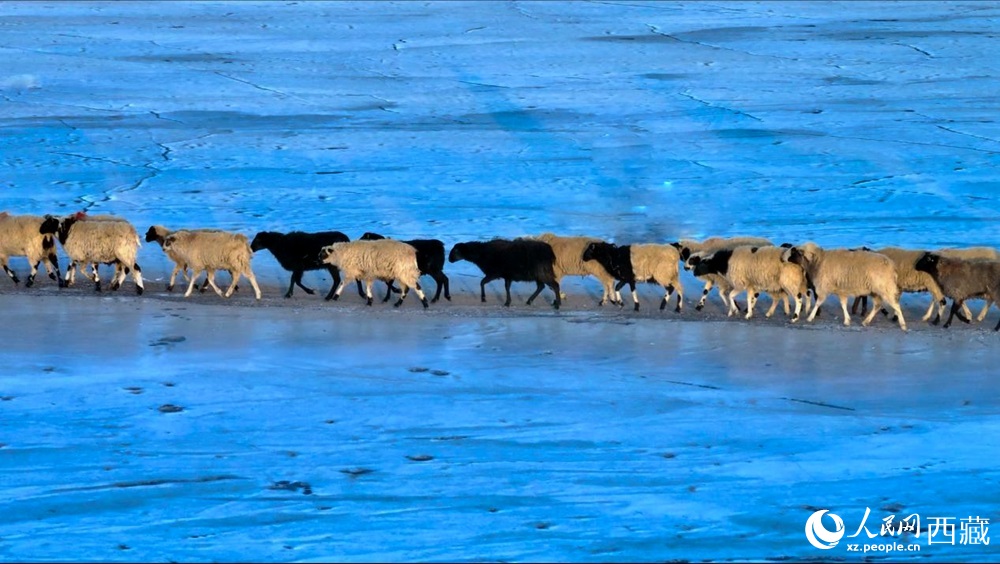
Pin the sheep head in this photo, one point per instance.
(717, 263)
(928, 262)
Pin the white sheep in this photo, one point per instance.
(569, 262)
(757, 269)
(689, 248)
(20, 236)
(159, 233)
(96, 241)
(844, 273)
(381, 259)
(208, 251)
(911, 280)
(659, 264)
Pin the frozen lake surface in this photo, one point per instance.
(158, 428)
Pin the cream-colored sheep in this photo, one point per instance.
(689, 248)
(96, 241)
(757, 269)
(912, 280)
(382, 259)
(159, 233)
(211, 250)
(569, 262)
(20, 236)
(659, 264)
(845, 273)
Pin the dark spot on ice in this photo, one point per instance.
(692, 489)
(419, 457)
(451, 438)
(542, 526)
(6, 398)
(133, 389)
(123, 547)
(669, 455)
(355, 472)
(170, 408)
(892, 507)
(812, 508)
(418, 369)
(286, 485)
(967, 402)
(167, 341)
(330, 421)
(169, 384)
(291, 453)
(49, 369)
(440, 372)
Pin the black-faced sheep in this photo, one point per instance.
(754, 270)
(569, 262)
(513, 260)
(93, 241)
(961, 279)
(691, 252)
(208, 251)
(298, 252)
(430, 261)
(159, 234)
(20, 236)
(845, 273)
(383, 259)
(655, 263)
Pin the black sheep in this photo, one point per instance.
(517, 260)
(961, 279)
(430, 261)
(298, 251)
(617, 260)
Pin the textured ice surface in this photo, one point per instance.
(314, 431)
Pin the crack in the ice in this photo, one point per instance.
(917, 49)
(821, 404)
(918, 143)
(158, 116)
(956, 132)
(257, 86)
(149, 483)
(657, 31)
(710, 105)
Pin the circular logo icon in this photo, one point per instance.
(818, 535)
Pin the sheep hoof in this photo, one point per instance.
(528, 302)
(170, 287)
(795, 319)
(97, 287)
(483, 300)
(309, 291)
(699, 307)
(447, 297)
(369, 302)
(636, 308)
(663, 305)
(555, 305)
(397, 304)
(677, 309)
(434, 300)
(63, 284)
(963, 318)
(946, 325)
(288, 295)
(28, 284)
(138, 290)
(52, 276)
(334, 297)
(424, 301)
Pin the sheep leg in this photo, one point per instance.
(680, 296)
(419, 291)
(555, 288)
(860, 300)
(704, 295)
(819, 301)
(447, 286)
(253, 283)
(11, 273)
(191, 284)
(388, 291)
(482, 288)
(297, 280)
(54, 273)
(173, 276)
(506, 287)
(368, 291)
(955, 304)
(442, 283)
(774, 304)
(340, 288)
(69, 278)
(732, 302)
(847, 314)
(798, 304)
(894, 304)
(635, 296)
(966, 316)
(404, 290)
(335, 274)
(31, 276)
(361, 292)
(211, 281)
(752, 297)
(137, 278)
(877, 305)
(97, 278)
(985, 310)
(618, 293)
(539, 286)
(930, 309)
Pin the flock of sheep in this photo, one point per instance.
(801, 276)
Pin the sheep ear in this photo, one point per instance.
(786, 245)
(754, 249)
(676, 245)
